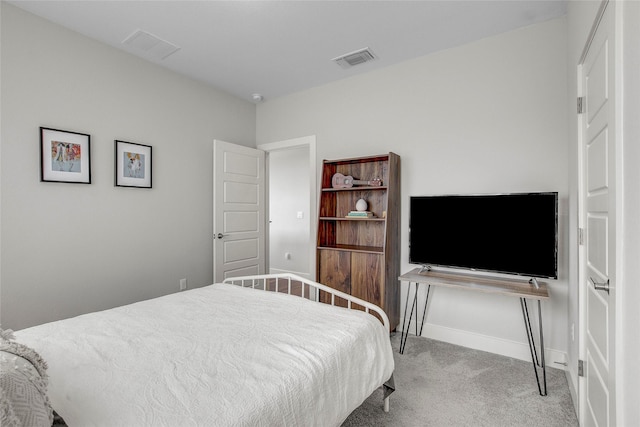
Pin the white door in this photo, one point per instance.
(238, 211)
(598, 211)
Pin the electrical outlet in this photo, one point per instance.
(183, 284)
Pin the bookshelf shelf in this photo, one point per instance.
(354, 248)
(378, 188)
(326, 218)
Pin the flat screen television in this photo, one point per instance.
(503, 233)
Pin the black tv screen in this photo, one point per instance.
(503, 233)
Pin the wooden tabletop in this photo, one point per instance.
(511, 287)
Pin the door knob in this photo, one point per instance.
(600, 286)
(218, 236)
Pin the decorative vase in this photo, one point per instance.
(361, 205)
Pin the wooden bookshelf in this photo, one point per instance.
(361, 256)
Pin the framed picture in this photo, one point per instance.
(64, 156)
(133, 164)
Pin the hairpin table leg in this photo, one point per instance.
(537, 362)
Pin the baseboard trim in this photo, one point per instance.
(517, 350)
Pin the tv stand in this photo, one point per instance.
(522, 289)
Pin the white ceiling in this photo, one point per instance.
(279, 47)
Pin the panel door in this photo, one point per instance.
(599, 221)
(238, 211)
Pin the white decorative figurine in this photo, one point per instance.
(361, 205)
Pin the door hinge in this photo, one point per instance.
(580, 104)
(581, 368)
(580, 236)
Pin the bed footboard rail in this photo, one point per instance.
(310, 289)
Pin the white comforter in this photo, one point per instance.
(215, 356)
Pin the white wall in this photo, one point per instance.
(69, 248)
(489, 116)
(288, 197)
(0, 170)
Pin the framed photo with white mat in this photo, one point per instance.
(65, 156)
(133, 165)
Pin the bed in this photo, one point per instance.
(252, 351)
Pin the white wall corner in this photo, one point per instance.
(0, 172)
(572, 380)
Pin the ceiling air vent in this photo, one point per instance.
(355, 58)
(152, 46)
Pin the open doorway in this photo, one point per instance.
(291, 206)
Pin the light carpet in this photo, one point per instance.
(441, 384)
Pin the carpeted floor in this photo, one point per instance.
(441, 384)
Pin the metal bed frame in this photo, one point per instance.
(310, 289)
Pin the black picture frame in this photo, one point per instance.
(133, 164)
(65, 156)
